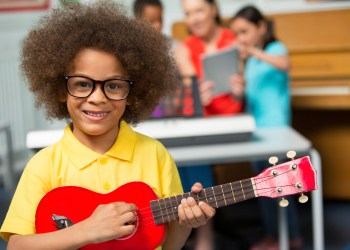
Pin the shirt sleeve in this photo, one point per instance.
(276, 48)
(33, 185)
(170, 178)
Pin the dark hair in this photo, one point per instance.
(50, 48)
(217, 17)
(139, 6)
(253, 15)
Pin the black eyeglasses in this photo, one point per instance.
(81, 86)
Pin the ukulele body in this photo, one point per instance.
(78, 203)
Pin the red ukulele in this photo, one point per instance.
(64, 206)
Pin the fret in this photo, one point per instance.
(202, 196)
(236, 187)
(240, 182)
(163, 210)
(170, 207)
(156, 212)
(223, 195)
(248, 189)
(254, 187)
(219, 196)
(206, 196)
(195, 197)
(179, 198)
(186, 195)
(227, 190)
(233, 193)
(175, 204)
(210, 197)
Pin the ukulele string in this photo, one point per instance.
(266, 178)
(145, 221)
(173, 215)
(261, 180)
(212, 203)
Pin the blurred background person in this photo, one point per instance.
(151, 11)
(266, 74)
(207, 36)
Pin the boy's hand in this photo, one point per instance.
(193, 215)
(110, 221)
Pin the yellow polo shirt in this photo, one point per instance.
(133, 157)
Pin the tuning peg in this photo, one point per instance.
(273, 160)
(291, 154)
(303, 198)
(283, 202)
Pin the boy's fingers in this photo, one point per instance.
(189, 204)
(207, 210)
(182, 216)
(196, 187)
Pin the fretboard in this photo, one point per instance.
(166, 210)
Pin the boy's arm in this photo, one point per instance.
(191, 215)
(61, 239)
(107, 222)
(177, 236)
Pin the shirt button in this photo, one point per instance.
(103, 161)
(106, 186)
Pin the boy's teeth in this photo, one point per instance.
(97, 114)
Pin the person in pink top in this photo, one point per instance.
(207, 36)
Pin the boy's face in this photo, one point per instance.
(95, 115)
(154, 15)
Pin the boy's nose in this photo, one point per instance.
(98, 94)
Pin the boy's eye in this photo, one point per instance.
(116, 85)
(83, 84)
(113, 86)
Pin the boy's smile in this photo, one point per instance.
(96, 117)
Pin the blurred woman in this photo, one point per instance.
(207, 36)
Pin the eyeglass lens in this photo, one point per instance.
(115, 89)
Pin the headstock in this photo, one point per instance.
(293, 177)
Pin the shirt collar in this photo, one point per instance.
(82, 156)
(123, 147)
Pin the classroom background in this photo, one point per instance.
(318, 39)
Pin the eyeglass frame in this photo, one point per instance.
(130, 83)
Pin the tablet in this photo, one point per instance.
(219, 66)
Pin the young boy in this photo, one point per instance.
(103, 70)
